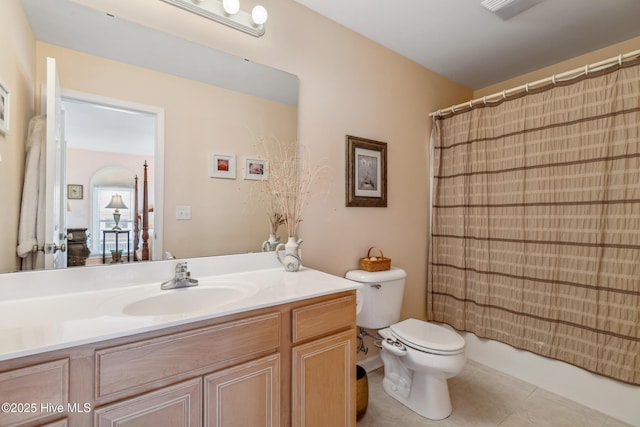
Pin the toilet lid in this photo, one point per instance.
(428, 337)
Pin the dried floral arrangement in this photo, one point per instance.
(276, 219)
(290, 178)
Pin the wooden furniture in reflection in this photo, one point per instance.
(136, 224)
(77, 249)
(141, 217)
(117, 233)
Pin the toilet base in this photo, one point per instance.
(428, 397)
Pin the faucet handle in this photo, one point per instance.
(181, 267)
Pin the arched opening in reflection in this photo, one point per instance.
(105, 184)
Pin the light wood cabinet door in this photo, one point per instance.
(35, 392)
(127, 369)
(60, 423)
(245, 395)
(324, 381)
(175, 406)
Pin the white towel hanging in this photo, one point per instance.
(31, 228)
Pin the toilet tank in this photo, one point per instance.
(381, 296)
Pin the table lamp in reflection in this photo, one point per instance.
(116, 203)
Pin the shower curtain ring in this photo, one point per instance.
(504, 94)
(620, 60)
(586, 70)
(526, 87)
(484, 100)
(553, 79)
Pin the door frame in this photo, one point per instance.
(158, 173)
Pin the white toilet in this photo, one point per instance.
(418, 356)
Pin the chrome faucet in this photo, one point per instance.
(182, 278)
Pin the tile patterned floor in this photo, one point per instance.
(482, 396)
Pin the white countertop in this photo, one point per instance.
(45, 311)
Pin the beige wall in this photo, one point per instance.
(17, 75)
(348, 85)
(568, 65)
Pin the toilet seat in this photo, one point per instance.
(428, 337)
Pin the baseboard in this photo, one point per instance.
(606, 395)
(371, 363)
(611, 397)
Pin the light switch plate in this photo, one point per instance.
(183, 212)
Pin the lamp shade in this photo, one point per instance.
(116, 203)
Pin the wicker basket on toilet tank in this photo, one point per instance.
(375, 263)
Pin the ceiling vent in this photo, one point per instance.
(507, 9)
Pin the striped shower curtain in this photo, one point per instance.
(535, 234)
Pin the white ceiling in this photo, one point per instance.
(463, 41)
(97, 127)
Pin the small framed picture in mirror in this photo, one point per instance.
(222, 166)
(256, 169)
(74, 191)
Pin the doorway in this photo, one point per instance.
(108, 142)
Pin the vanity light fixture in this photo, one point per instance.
(227, 12)
(116, 203)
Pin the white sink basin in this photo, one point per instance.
(207, 295)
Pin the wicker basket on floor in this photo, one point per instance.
(375, 263)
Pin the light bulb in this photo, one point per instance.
(259, 15)
(231, 6)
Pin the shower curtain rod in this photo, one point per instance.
(567, 75)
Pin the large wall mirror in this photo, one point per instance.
(212, 104)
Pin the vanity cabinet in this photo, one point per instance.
(179, 405)
(323, 364)
(288, 365)
(144, 365)
(245, 395)
(34, 392)
(60, 423)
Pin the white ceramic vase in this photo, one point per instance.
(289, 254)
(270, 245)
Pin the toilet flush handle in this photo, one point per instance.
(377, 286)
(394, 347)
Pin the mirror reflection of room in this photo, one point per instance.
(197, 114)
(107, 150)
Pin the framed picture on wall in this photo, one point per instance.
(222, 166)
(4, 109)
(74, 191)
(366, 174)
(256, 169)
